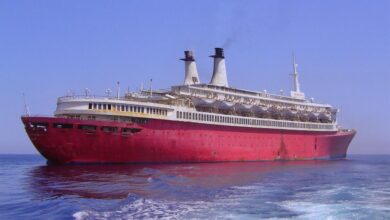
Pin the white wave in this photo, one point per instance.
(218, 207)
(329, 203)
(144, 209)
(80, 215)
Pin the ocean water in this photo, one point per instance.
(355, 188)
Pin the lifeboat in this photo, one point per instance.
(260, 111)
(287, 114)
(303, 116)
(275, 113)
(242, 109)
(203, 102)
(223, 105)
(312, 117)
(322, 117)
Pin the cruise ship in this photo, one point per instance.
(192, 122)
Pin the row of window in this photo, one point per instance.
(247, 121)
(156, 111)
(108, 129)
(127, 108)
(87, 128)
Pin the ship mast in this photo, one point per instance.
(295, 75)
(296, 93)
(26, 109)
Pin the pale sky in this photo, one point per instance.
(342, 47)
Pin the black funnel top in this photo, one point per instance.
(188, 56)
(218, 53)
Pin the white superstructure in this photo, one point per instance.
(215, 103)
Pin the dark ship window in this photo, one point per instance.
(109, 129)
(87, 127)
(131, 130)
(61, 125)
(39, 125)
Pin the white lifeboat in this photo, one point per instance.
(203, 102)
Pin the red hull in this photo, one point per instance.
(172, 141)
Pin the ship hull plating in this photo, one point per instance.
(62, 141)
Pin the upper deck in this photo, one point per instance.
(122, 109)
(228, 93)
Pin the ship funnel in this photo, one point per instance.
(219, 73)
(191, 76)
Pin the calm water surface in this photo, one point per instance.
(356, 188)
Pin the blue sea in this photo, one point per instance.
(355, 188)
